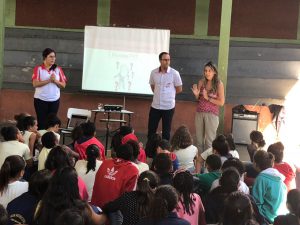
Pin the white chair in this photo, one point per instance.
(75, 118)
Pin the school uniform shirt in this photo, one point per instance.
(88, 178)
(186, 157)
(42, 132)
(21, 209)
(43, 157)
(49, 92)
(114, 178)
(14, 190)
(8, 148)
(82, 144)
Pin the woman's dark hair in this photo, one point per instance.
(11, 168)
(237, 210)
(182, 138)
(165, 201)
(57, 159)
(9, 133)
(293, 199)
(76, 133)
(38, 183)
(146, 184)
(277, 150)
(92, 153)
(184, 183)
(19, 118)
(49, 140)
(28, 121)
(124, 130)
(62, 194)
(135, 149)
(235, 163)
(230, 141)
(263, 159)
(52, 120)
(116, 141)
(220, 144)
(152, 144)
(164, 145)
(125, 151)
(214, 162)
(229, 180)
(46, 52)
(257, 137)
(215, 80)
(88, 129)
(74, 216)
(275, 110)
(3, 216)
(162, 163)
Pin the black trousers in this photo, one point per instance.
(43, 109)
(154, 117)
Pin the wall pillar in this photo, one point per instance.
(224, 50)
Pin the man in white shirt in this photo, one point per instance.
(165, 83)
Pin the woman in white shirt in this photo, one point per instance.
(88, 168)
(11, 172)
(186, 152)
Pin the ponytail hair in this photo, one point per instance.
(146, 184)
(11, 168)
(257, 137)
(92, 153)
(165, 201)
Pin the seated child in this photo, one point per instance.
(163, 168)
(293, 205)
(277, 149)
(88, 138)
(205, 180)
(269, 191)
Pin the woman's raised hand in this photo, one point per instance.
(195, 90)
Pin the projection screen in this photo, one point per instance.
(121, 59)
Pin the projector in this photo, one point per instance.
(113, 107)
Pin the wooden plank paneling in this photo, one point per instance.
(257, 71)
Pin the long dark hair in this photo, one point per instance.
(165, 201)
(57, 159)
(237, 210)
(215, 81)
(92, 153)
(146, 184)
(184, 183)
(62, 194)
(11, 168)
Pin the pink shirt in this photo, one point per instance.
(199, 213)
(206, 106)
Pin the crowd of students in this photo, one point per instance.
(44, 183)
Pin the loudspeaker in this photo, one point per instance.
(242, 125)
